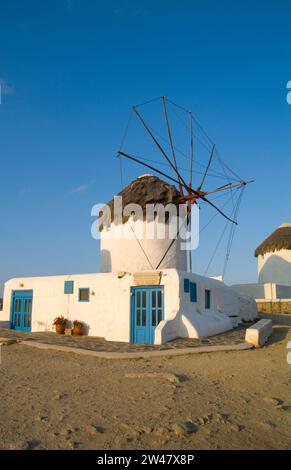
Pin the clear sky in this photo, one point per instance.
(70, 71)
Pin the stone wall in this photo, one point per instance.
(275, 306)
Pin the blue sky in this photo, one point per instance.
(71, 70)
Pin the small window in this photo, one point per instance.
(69, 287)
(207, 298)
(193, 292)
(186, 285)
(84, 294)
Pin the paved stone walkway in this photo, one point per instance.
(92, 343)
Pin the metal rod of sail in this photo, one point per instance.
(159, 146)
(169, 133)
(198, 195)
(123, 154)
(229, 186)
(208, 165)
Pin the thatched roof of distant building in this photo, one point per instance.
(278, 240)
(147, 189)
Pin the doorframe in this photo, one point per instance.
(29, 293)
(132, 306)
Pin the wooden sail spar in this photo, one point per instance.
(188, 195)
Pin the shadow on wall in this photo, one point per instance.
(105, 261)
(276, 270)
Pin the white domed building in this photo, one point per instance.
(143, 292)
(273, 290)
(274, 257)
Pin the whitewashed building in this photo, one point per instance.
(274, 267)
(143, 292)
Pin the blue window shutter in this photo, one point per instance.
(186, 285)
(69, 287)
(193, 292)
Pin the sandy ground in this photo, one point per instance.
(233, 400)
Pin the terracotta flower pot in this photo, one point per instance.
(60, 329)
(77, 330)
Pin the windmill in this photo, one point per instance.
(190, 194)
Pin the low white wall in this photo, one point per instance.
(283, 292)
(268, 291)
(256, 291)
(259, 333)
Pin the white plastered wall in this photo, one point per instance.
(107, 314)
(193, 320)
(275, 268)
(120, 250)
(103, 314)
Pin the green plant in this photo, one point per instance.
(60, 321)
(78, 323)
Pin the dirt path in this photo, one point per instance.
(54, 400)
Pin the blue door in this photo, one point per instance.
(147, 311)
(21, 310)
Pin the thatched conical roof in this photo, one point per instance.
(147, 189)
(278, 240)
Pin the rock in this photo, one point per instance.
(202, 420)
(172, 378)
(221, 418)
(273, 401)
(33, 444)
(184, 429)
(60, 396)
(268, 424)
(42, 419)
(93, 430)
(236, 427)
(147, 430)
(283, 407)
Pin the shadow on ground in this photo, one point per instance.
(281, 326)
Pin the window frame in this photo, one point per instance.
(186, 286)
(79, 294)
(208, 299)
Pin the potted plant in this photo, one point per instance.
(78, 327)
(60, 324)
